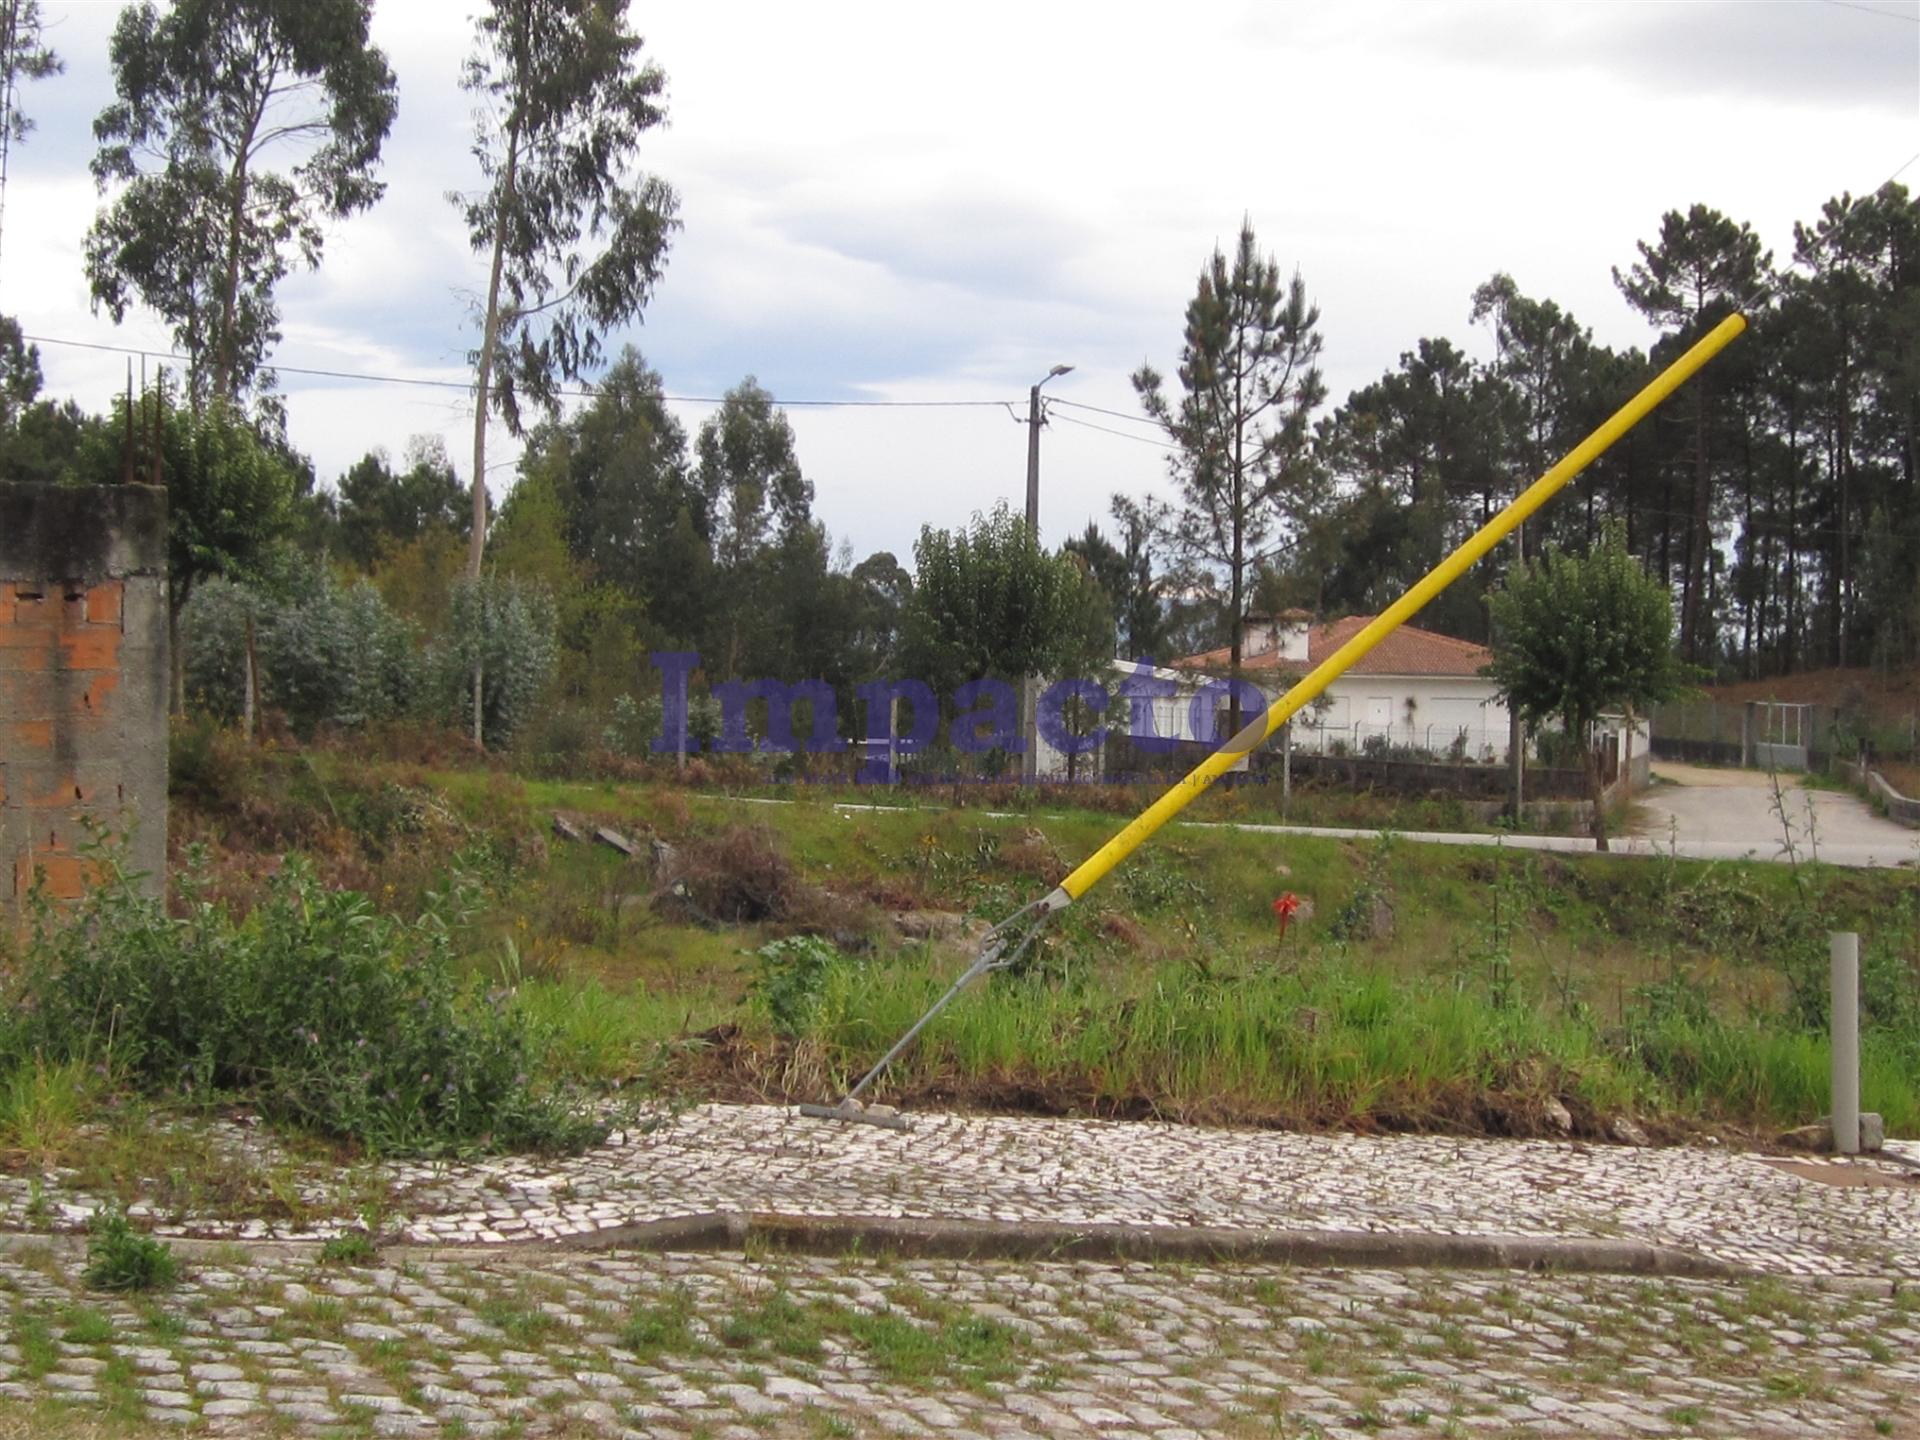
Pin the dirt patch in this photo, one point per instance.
(1717, 777)
(1870, 1175)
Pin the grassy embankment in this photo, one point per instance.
(1429, 987)
(758, 950)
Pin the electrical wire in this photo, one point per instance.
(467, 385)
(1873, 10)
(1098, 410)
(1118, 434)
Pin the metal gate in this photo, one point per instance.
(1778, 733)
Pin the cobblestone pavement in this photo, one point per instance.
(498, 1342)
(1726, 1205)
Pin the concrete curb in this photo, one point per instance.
(846, 1236)
(1051, 1240)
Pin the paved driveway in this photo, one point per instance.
(1726, 813)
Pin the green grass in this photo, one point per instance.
(1662, 988)
(522, 1322)
(87, 1327)
(928, 1343)
(662, 1326)
(42, 1106)
(777, 1322)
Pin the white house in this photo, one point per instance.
(1414, 689)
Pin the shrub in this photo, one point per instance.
(740, 875)
(323, 1011)
(507, 628)
(354, 1248)
(633, 726)
(328, 653)
(789, 977)
(121, 1258)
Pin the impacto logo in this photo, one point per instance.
(1074, 717)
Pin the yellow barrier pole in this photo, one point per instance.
(1184, 791)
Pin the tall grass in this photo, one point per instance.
(1339, 1045)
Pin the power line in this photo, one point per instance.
(1872, 10)
(1117, 434)
(1116, 414)
(466, 386)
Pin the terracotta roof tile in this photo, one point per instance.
(1407, 651)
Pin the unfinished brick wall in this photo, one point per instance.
(83, 683)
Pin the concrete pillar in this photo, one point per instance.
(83, 684)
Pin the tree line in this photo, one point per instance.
(1775, 498)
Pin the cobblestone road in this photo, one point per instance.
(517, 1342)
(1725, 1205)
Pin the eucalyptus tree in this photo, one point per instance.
(574, 234)
(24, 55)
(238, 130)
(1249, 384)
(760, 501)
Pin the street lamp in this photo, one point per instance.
(1033, 449)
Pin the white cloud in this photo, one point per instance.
(907, 202)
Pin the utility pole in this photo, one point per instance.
(1030, 696)
(1033, 451)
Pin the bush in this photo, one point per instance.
(790, 976)
(338, 655)
(741, 876)
(634, 724)
(121, 1258)
(507, 628)
(328, 653)
(324, 1012)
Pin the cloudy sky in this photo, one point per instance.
(907, 202)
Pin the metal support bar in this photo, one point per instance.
(1000, 950)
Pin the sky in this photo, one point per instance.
(888, 202)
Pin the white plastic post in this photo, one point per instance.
(1843, 948)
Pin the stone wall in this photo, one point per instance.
(83, 683)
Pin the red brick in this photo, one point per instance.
(90, 649)
(103, 603)
(93, 699)
(26, 735)
(26, 694)
(66, 876)
(37, 609)
(57, 791)
(6, 603)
